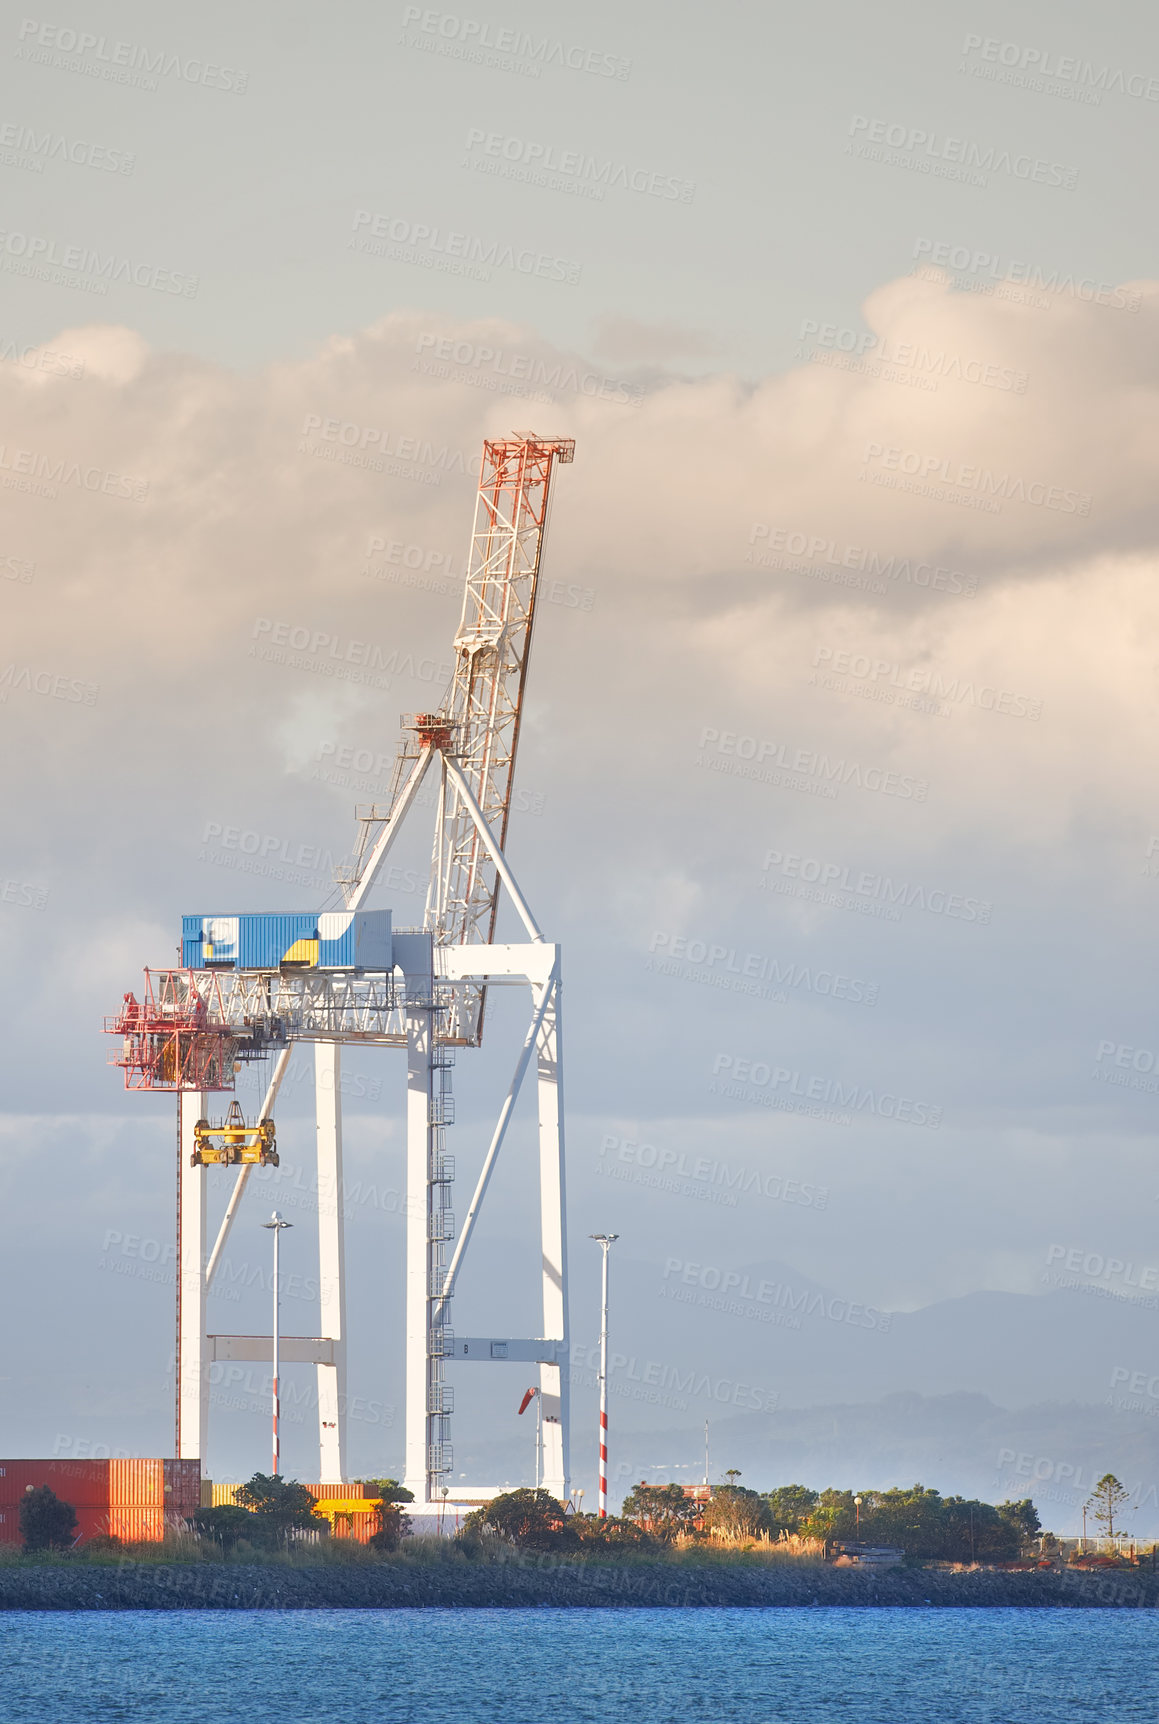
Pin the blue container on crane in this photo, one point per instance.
(276, 939)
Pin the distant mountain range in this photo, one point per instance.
(990, 1395)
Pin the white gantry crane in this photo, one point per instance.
(252, 984)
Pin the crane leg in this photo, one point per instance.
(192, 1345)
(331, 1261)
(424, 1431)
(554, 1384)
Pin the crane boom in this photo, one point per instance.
(475, 733)
(485, 703)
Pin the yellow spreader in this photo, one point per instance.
(233, 1143)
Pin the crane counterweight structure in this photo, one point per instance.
(256, 985)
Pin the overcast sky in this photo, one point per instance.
(836, 781)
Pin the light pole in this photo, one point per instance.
(857, 1517)
(604, 1240)
(275, 1225)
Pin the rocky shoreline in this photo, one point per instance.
(527, 1582)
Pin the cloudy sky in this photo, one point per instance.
(836, 780)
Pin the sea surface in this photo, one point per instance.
(535, 1666)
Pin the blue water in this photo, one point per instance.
(535, 1666)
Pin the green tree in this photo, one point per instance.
(1023, 1516)
(736, 1512)
(912, 1520)
(833, 1515)
(279, 1506)
(531, 1519)
(1107, 1500)
(225, 1525)
(789, 1505)
(393, 1525)
(46, 1523)
(974, 1531)
(662, 1510)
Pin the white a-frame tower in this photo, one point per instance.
(196, 1023)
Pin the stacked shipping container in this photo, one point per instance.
(131, 1499)
(350, 1512)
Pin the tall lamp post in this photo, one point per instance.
(275, 1225)
(604, 1241)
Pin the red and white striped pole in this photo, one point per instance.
(275, 1225)
(604, 1240)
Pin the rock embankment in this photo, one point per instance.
(530, 1582)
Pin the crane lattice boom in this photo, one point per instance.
(478, 722)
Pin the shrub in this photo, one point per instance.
(533, 1520)
(592, 1533)
(736, 1513)
(46, 1523)
(393, 1526)
(662, 1510)
(224, 1525)
(279, 1506)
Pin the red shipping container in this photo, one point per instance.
(182, 1487)
(89, 1522)
(76, 1482)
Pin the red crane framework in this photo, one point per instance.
(194, 1027)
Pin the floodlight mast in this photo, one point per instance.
(195, 1025)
